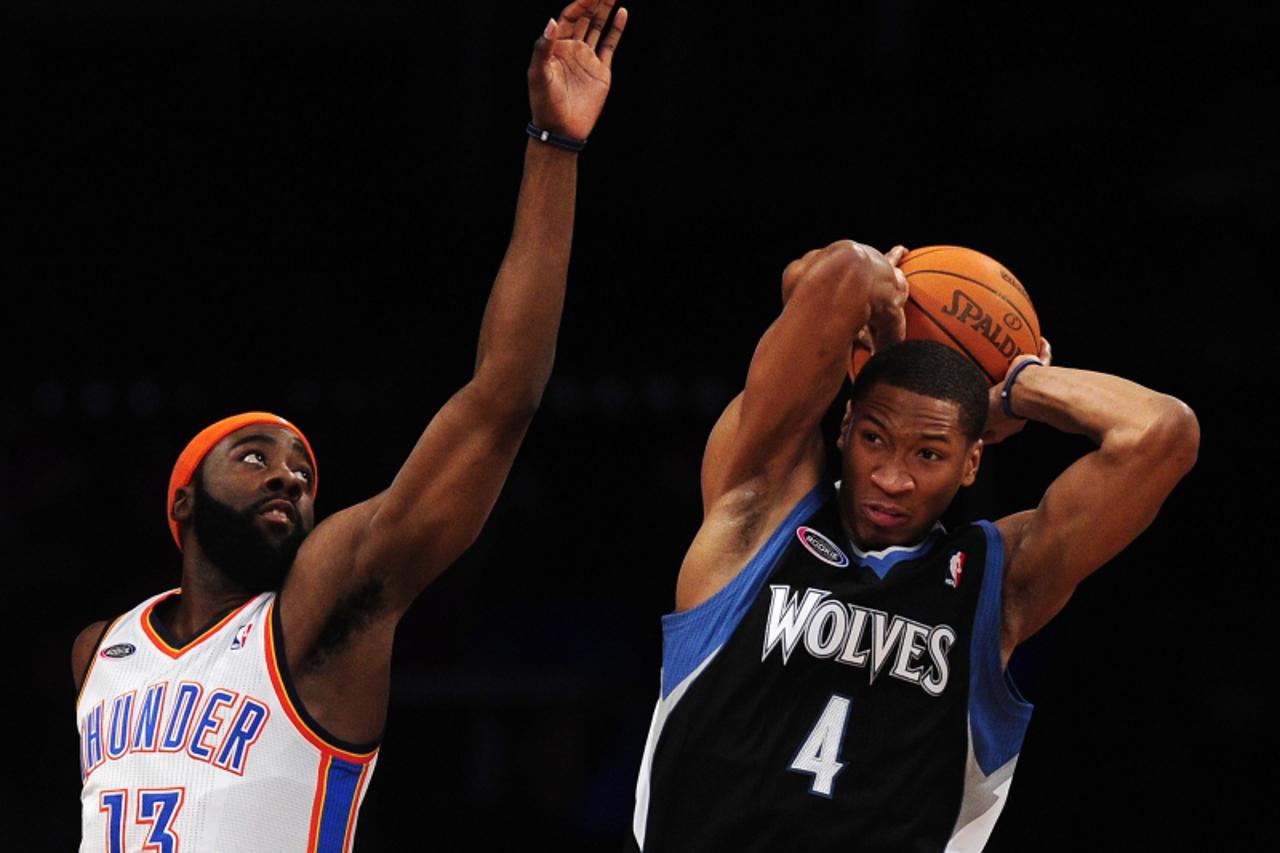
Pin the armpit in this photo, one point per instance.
(353, 615)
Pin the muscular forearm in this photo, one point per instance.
(1111, 411)
(798, 365)
(518, 334)
(830, 292)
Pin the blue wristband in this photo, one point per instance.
(568, 143)
(1008, 384)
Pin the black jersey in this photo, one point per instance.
(829, 698)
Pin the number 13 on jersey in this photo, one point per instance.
(819, 755)
(157, 808)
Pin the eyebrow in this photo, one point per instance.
(256, 437)
(942, 437)
(870, 417)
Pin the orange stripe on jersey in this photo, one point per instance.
(317, 805)
(355, 808)
(176, 653)
(291, 710)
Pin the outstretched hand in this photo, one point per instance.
(569, 74)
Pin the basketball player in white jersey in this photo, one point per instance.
(242, 712)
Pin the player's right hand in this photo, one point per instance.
(570, 72)
(888, 323)
(887, 286)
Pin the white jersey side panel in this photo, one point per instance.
(199, 749)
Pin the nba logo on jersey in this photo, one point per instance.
(956, 568)
(242, 635)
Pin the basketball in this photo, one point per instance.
(969, 302)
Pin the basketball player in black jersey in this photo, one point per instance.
(834, 672)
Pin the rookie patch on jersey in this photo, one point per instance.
(119, 650)
(821, 547)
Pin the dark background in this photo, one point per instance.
(300, 207)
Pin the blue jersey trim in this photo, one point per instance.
(342, 786)
(998, 715)
(689, 637)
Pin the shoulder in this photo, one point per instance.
(82, 650)
(1011, 528)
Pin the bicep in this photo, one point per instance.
(715, 457)
(772, 425)
(797, 367)
(82, 651)
(1087, 516)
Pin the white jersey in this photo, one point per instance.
(205, 748)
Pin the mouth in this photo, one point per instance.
(885, 515)
(279, 511)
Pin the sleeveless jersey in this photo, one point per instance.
(205, 748)
(829, 698)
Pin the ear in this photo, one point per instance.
(845, 423)
(971, 463)
(184, 500)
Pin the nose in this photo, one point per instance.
(892, 478)
(282, 480)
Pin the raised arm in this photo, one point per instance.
(442, 496)
(766, 448)
(830, 295)
(1147, 442)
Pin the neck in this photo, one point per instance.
(206, 593)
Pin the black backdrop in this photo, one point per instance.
(300, 207)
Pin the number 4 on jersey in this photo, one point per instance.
(820, 752)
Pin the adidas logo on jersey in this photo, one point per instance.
(858, 636)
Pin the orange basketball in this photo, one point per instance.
(969, 302)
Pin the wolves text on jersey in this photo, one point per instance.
(217, 726)
(858, 636)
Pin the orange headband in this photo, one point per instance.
(196, 450)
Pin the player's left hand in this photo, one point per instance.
(569, 74)
(999, 425)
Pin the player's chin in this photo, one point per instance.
(874, 539)
(282, 544)
(908, 533)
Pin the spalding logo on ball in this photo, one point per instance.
(969, 302)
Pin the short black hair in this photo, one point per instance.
(932, 370)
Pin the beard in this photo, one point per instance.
(234, 543)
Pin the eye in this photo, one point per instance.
(930, 455)
(257, 457)
(304, 475)
(871, 438)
